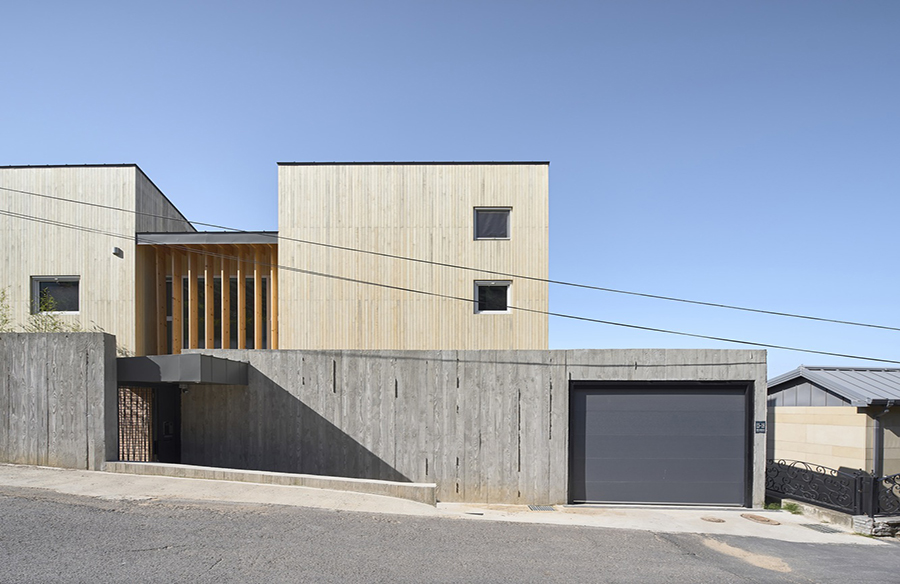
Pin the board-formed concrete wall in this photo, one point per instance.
(58, 399)
(486, 426)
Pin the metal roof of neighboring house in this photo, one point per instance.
(861, 386)
(207, 238)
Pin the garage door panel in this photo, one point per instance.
(657, 400)
(647, 446)
(650, 443)
(661, 423)
(675, 493)
(661, 469)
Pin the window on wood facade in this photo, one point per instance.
(492, 296)
(492, 222)
(54, 294)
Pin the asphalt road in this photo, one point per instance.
(50, 537)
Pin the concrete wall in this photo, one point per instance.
(423, 211)
(58, 399)
(486, 426)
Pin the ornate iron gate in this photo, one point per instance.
(855, 492)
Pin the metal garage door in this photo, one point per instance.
(658, 443)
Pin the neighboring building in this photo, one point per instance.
(836, 417)
(94, 273)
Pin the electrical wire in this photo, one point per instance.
(471, 269)
(148, 240)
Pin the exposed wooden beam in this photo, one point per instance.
(258, 324)
(241, 270)
(162, 269)
(209, 296)
(177, 303)
(225, 275)
(273, 297)
(193, 301)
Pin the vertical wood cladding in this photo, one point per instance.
(423, 211)
(60, 237)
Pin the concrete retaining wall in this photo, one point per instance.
(419, 492)
(486, 426)
(58, 399)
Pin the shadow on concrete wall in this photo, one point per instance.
(263, 426)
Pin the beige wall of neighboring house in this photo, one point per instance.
(891, 422)
(832, 436)
(41, 242)
(424, 211)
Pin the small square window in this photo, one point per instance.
(54, 294)
(492, 223)
(492, 296)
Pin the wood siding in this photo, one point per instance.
(108, 284)
(204, 268)
(412, 210)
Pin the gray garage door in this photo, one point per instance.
(647, 443)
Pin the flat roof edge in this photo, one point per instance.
(420, 163)
(101, 165)
(207, 237)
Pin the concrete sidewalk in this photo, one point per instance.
(655, 519)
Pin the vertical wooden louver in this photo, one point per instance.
(216, 296)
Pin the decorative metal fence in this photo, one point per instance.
(850, 491)
(888, 499)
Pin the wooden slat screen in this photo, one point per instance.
(135, 424)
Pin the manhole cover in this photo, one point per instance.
(541, 508)
(759, 519)
(713, 519)
(821, 528)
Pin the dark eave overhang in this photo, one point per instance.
(209, 238)
(188, 368)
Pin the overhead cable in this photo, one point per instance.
(148, 240)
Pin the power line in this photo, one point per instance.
(146, 240)
(479, 270)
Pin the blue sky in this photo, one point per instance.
(736, 152)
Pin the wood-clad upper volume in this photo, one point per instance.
(419, 216)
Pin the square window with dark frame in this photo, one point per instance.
(492, 223)
(54, 294)
(492, 296)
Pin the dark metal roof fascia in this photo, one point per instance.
(415, 163)
(789, 376)
(208, 238)
(187, 368)
(109, 165)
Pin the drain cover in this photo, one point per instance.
(759, 519)
(713, 519)
(541, 508)
(821, 528)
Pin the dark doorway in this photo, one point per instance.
(167, 423)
